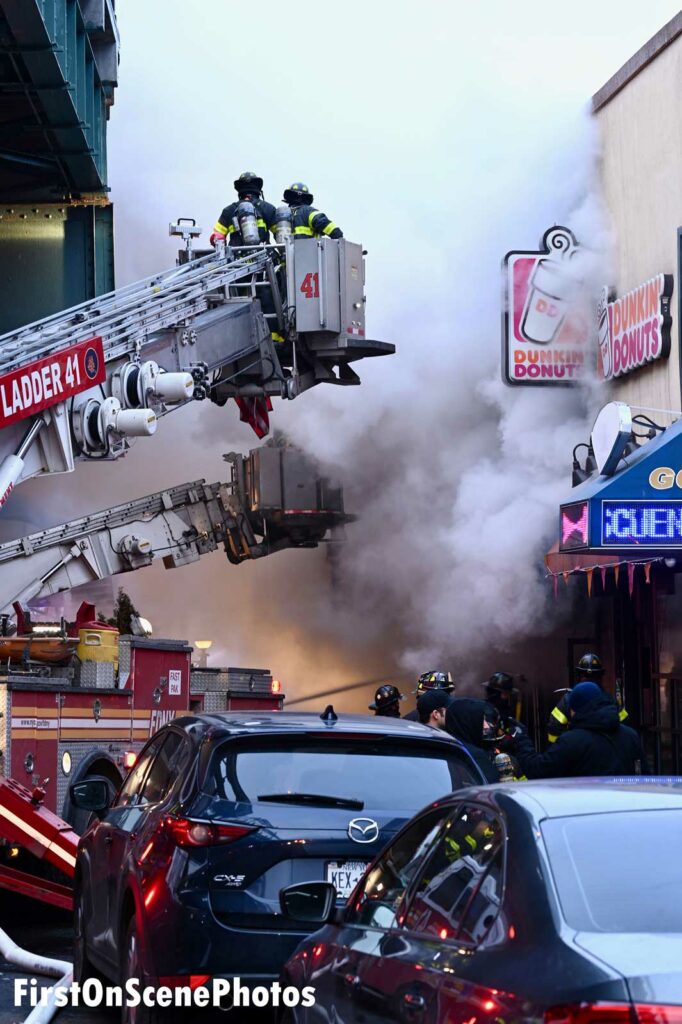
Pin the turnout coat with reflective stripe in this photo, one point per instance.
(595, 743)
(558, 719)
(265, 218)
(307, 222)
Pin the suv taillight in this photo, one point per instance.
(186, 832)
(614, 1013)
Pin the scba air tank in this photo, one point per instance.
(248, 223)
(283, 229)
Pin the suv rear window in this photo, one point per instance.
(376, 774)
(618, 872)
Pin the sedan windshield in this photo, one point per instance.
(619, 872)
(353, 773)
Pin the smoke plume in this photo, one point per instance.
(441, 137)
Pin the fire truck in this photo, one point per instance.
(81, 701)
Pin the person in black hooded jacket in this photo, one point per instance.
(465, 719)
(595, 743)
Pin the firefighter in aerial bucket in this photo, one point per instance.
(250, 219)
(306, 221)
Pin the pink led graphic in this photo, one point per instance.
(574, 530)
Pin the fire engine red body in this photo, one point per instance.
(56, 730)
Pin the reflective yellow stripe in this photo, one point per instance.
(276, 336)
(261, 223)
(560, 716)
(329, 228)
(303, 231)
(311, 217)
(221, 228)
(622, 714)
(552, 739)
(231, 230)
(471, 841)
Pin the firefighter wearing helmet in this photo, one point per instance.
(306, 221)
(250, 219)
(386, 703)
(432, 680)
(503, 695)
(588, 670)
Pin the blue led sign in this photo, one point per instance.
(643, 524)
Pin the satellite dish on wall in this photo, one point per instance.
(611, 432)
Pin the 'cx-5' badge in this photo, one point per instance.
(363, 830)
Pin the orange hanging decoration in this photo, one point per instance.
(602, 570)
(565, 576)
(616, 573)
(589, 582)
(647, 572)
(631, 577)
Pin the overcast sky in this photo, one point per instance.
(438, 134)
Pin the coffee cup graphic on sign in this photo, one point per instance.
(604, 333)
(549, 291)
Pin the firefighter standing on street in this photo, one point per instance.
(433, 680)
(594, 743)
(503, 695)
(250, 192)
(588, 670)
(386, 703)
(306, 221)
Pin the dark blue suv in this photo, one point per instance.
(179, 880)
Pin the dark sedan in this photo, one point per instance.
(547, 903)
(179, 881)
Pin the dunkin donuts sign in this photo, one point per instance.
(546, 326)
(635, 329)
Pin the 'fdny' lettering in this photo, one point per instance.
(159, 718)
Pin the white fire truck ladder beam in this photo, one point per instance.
(124, 317)
(180, 525)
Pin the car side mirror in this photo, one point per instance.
(313, 902)
(91, 794)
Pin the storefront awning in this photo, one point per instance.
(628, 520)
(571, 563)
(636, 513)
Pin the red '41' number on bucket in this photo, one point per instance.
(311, 286)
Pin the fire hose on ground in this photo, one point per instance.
(32, 963)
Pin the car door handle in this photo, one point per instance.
(414, 1003)
(108, 840)
(352, 980)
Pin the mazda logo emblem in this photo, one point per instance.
(363, 830)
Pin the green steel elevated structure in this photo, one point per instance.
(58, 73)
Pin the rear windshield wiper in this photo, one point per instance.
(312, 798)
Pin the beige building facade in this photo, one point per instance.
(633, 617)
(639, 117)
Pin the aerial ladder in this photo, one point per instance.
(274, 499)
(82, 384)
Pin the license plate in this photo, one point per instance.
(345, 875)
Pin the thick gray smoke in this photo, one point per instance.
(440, 136)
